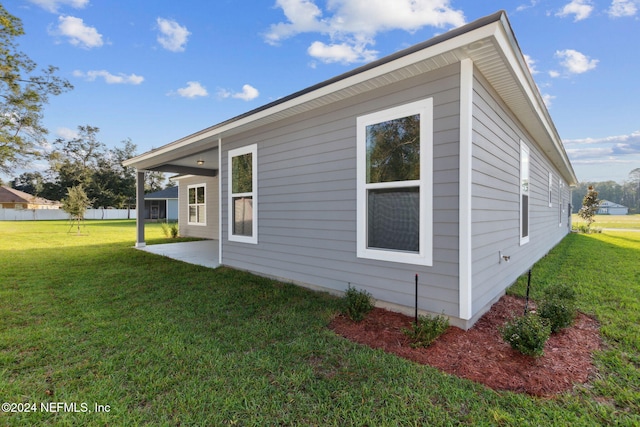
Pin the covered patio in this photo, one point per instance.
(201, 252)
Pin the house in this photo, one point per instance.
(440, 160)
(610, 208)
(10, 198)
(161, 205)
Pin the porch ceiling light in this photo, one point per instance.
(200, 162)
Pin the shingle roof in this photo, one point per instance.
(11, 195)
(167, 193)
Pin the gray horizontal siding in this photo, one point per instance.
(307, 199)
(210, 230)
(496, 198)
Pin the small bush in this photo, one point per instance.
(357, 303)
(527, 334)
(585, 229)
(558, 306)
(427, 330)
(169, 230)
(165, 228)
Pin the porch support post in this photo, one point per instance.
(140, 243)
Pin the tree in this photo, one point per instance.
(30, 182)
(153, 181)
(76, 204)
(23, 94)
(113, 184)
(74, 161)
(634, 190)
(86, 161)
(590, 205)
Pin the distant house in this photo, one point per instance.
(440, 160)
(162, 205)
(10, 198)
(610, 208)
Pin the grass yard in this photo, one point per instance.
(631, 222)
(88, 320)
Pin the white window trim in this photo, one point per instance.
(525, 148)
(253, 150)
(425, 255)
(196, 186)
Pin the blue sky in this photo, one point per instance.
(155, 71)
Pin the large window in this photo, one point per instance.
(395, 184)
(243, 194)
(524, 192)
(197, 204)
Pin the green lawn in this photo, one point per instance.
(611, 221)
(89, 320)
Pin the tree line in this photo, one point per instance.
(626, 194)
(86, 162)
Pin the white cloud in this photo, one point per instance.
(248, 93)
(109, 78)
(342, 52)
(548, 99)
(192, 90)
(554, 73)
(531, 63)
(53, 5)
(621, 8)
(531, 4)
(351, 25)
(173, 36)
(66, 133)
(575, 62)
(590, 150)
(78, 33)
(581, 9)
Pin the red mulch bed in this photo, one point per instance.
(481, 355)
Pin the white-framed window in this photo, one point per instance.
(394, 184)
(524, 192)
(197, 211)
(243, 194)
(550, 189)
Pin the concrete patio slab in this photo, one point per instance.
(201, 252)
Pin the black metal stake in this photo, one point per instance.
(416, 319)
(526, 301)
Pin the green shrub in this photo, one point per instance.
(357, 303)
(585, 229)
(427, 330)
(527, 334)
(558, 306)
(174, 230)
(165, 228)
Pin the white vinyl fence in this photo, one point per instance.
(49, 214)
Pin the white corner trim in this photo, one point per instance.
(466, 141)
(220, 201)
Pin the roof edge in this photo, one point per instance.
(451, 34)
